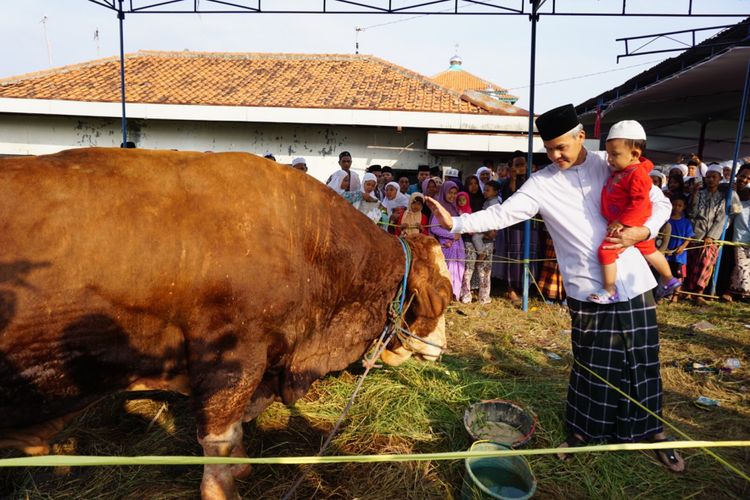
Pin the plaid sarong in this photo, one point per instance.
(514, 251)
(550, 280)
(700, 267)
(620, 342)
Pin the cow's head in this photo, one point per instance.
(428, 295)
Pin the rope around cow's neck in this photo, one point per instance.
(390, 329)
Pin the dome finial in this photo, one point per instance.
(456, 61)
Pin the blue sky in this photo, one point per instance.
(493, 47)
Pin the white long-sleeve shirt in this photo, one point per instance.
(570, 202)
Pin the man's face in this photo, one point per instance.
(345, 163)
(403, 184)
(518, 165)
(742, 179)
(378, 174)
(713, 179)
(565, 151)
(422, 176)
(727, 172)
(388, 177)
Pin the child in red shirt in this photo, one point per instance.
(626, 203)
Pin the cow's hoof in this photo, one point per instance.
(241, 471)
(218, 483)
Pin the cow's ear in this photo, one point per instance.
(429, 281)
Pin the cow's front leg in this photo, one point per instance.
(225, 369)
(218, 480)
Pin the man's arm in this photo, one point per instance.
(517, 208)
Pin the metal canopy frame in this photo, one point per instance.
(432, 7)
(666, 35)
(534, 9)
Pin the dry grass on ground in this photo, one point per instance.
(495, 352)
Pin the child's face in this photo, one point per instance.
(370, 186)
(678, 206)
(345, 183)
(656, 180)
(390, 192)
(416, 205)
(489, 192)
(461, 201)
(620, 156)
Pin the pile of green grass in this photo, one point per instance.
(495, 352)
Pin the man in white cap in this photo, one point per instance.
(299, 163)
(618, 341)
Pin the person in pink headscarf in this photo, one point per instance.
(452, 244)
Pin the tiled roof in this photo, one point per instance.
(246, 79)
(461, 81)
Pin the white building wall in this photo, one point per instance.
(318, 144)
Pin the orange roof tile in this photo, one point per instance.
(461, 81)
(246, 79)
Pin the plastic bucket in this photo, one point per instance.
(500, 421)
(508, 478)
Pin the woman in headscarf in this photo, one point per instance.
(369, 204)
(394, 198)
(476, 198)
(452, 244)
(431, 188)
(413, 221)
(340, 182)
(484, 175)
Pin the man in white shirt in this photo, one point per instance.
(620, 341)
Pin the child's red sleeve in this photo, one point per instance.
(424, 225)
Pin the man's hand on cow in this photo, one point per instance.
(442, 215)
(627, 237)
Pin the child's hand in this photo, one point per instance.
(456, 237)
(448, 244)
(615, 228)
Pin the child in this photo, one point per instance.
(626, 203)
(485, 244)
(369, 204)
(413, 221)
(681, 228)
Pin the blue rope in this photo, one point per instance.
(407, 254)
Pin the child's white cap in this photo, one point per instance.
(627, 129)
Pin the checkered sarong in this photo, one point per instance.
(550, 280)
(700, 267)
(620, 342)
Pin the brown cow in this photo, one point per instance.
(223, 276)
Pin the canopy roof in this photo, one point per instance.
(675, 98)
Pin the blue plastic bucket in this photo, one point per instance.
(507, 478)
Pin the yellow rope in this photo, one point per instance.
(665, 422)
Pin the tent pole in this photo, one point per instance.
(533, 17)
(702, 138)
(728, 200)
(121, 17)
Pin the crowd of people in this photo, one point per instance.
(688, 244)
